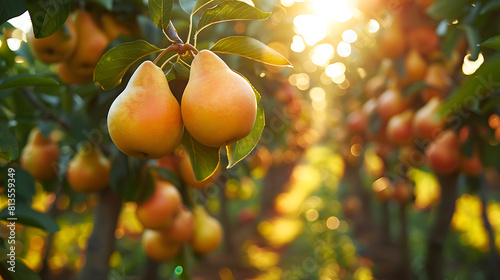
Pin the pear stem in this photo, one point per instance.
(174, 47)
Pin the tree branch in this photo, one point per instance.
(102, 241)
(437, 235)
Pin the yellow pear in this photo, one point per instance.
(157, 247)
(56, 47)
(208, 232)
(145, 121)
(91, 44)
(89, 170)
(39, 157)
(218, 105)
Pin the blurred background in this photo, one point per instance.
(379, 158)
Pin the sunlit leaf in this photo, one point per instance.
(230, 10)
(29, 217)
(115, 62)
(27, 80)
(200, 4)
(250, 48)
(160, 12)
(48, 16)
(187, 5)
(477, 87)
(9, 148)
(204, 160)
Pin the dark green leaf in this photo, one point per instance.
(160, 12)
(168, 175)
(27, 80)
(25, 186)
(242, 148)
(10, 9)
(493, 43)
(250, 48)
(108, 4)
(473, 39)
(204, 160)
(9, 148)
(414, 88)
(29, 217)
(115, 62)
(230, 10)
(478, 87)
(178, 71)
(187, 5)
(490, 5)
(48, 16)
(451, 40)
(449, 9)
(22, 272)
(200, 4)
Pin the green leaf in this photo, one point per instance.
(414, 88)
(489, 6)
(29, 217)
(492, 43)
(187, 5)
(27, 80)
(178, 71)
(10, 9)
(22, 272)
(250, 48)
(204, 160)
(108, 4)
(9, 148)
(200, 4)
(242, 148)
(478, 87)
(25, 186)
(48, 16)
(160, 12)
(449, 9)
(473, 39)
(168, 175)
(115, 62)
(230, 10)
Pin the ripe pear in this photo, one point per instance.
(207, 232)
(145, 120)
(218, 106)
(56, 47)
(159, 210)
(39, 157)
(443, 154)
(89, 170)
(157, 247)
(91, 44)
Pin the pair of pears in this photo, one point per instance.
(218, 107)
(77, 47)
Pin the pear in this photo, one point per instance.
(56, 47)
(144, 121)
(89, 170)
(218, 106)
(40, 155)
(91, 44)
(208, 232)
(157, 247)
